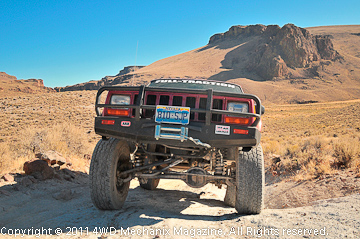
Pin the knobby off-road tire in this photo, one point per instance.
(110, 157)
(230, 196)
(250, 182)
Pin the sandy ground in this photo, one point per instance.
(173, 210)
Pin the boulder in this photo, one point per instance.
(8, 178)
(52, 157)
(39, 169)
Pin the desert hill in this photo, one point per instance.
(10, 85)
(285, 64)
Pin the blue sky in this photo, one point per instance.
(68, 42)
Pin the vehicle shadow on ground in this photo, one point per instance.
(36, 206)
(144, 208)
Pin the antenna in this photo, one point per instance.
(132, 80)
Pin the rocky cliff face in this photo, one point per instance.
(37, 82)
(277, 50)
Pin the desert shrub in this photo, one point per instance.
(271, 146)
(307, 159)
(66, 139)
(5, 157)
(9, 161)
(347, 153)
(318, 155)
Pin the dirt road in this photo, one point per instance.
(63, 207)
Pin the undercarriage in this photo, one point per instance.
(195, 166)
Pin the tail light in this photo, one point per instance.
(118, 100)
(116, 112)
(240, 107)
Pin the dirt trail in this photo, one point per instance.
(172, 211)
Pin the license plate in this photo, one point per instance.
(172, 114)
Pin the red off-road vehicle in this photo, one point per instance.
(198, 131)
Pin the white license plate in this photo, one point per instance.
(172, 114)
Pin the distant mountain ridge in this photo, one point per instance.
(121, 77)
(279, 64)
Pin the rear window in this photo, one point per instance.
(196, 84)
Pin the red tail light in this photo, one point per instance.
(236, 120)
(116, 112)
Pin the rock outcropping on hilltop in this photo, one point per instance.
(123, 76)
(9, 83)
(273, 51)
(129, 69)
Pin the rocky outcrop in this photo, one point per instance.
(10, 84)
(37, 82)
(326, 48)
(129, 69)
(95, 85)
(123, 77)
(46, 165)
(275, 51)
(5, 76)
(52, 157)
(238, 32)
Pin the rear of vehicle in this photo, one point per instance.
(194, 130)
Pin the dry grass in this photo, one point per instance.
(70, 141)
(312, 140)
(62, 122)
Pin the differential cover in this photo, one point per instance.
(196, 181)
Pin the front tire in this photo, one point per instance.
(108, 189)
(247, 196)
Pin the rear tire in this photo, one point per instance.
(250, 181)
(108, 190)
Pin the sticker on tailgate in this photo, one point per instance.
(222, 129)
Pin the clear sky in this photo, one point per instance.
(66, 42)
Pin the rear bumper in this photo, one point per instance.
(143, 131)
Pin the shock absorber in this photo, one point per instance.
(219, 163)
